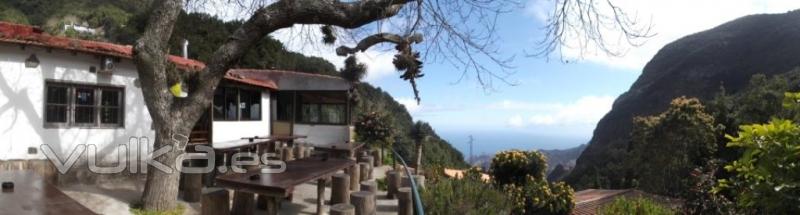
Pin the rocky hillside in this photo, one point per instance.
(696, 66)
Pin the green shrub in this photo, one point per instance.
(138, 210)
(521, 175)
(541, 198)
(462, 197)
(513, 166)
(635, 206)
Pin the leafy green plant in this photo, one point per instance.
(668, 146)
(635, 206)
(539, 197)
(513, 166)
(767, 176)
(463, 196)
(701, 198)
(520, 174)
(375, 129)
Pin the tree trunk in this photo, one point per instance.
(161, 188)
(419, 159)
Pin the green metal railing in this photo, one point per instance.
(414, 190)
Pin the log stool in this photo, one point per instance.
(369, 186)
(404, 206)
(340, 189)
(392, 183)
(243, 203)
(215, 201)
(377, 158)
(355, 176)
(364, 202)
(343, 209)
(365, 169)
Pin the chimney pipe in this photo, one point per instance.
(186, 49)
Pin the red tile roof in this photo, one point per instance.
(30, 35)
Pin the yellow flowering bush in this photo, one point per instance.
(521, 174)
(512, 167)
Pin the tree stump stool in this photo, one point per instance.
(355, 176)
(215, 201)
(370, 186)
(340, 189)
(404, 205)
(364, 202)
(343, 209)
(365, 169)
(392, 183)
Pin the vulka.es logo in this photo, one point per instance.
(136, 157)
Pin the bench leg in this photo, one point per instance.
(243, 203)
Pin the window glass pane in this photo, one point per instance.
(250, 104)
(309, 113)
(110, 116)
(84, 114)
(56, 113)
(56, 95)
(231, 105)
(110, 98)
(84, 96)
(332, 113)
(284, 106)
(219, 104)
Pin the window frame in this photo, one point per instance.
(71, 105)
(298, 115)
(238, 89)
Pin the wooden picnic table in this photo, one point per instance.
(33, 195)
(276, 186)
(341, 150)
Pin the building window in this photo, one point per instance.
(284, 106)
(78, 105)
(234, 104)
(322, 108)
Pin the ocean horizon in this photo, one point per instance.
(493, 142)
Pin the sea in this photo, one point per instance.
(489, 143)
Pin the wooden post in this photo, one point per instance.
(287, 154)
(370, 186)
(392, 183)
(193, 187)
(272, 204)
(299, 151)
(364, 167)
(364, 202)
(215, 201)
(404, 205)
(340, 189)
(321, 194)
(418, 179)
(377, 158)
(355, 176)
(343, 209)
(243, 203)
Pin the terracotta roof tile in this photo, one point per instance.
(30, 35)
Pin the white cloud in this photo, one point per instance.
(516, 121)
(410, 103)
(586, 110)
(671, 20)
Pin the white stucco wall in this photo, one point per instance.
(322, 135)
(224, 131)
(22, 103)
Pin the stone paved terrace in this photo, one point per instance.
(114, 197)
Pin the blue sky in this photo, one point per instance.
(553, 102)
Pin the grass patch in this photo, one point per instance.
(137, 209)
(635, 206)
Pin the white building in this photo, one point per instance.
(62, 93)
